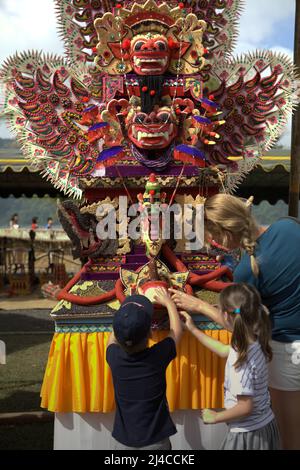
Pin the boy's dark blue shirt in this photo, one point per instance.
(142, 413)
(278, 254)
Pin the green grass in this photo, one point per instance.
(20, 384)
(22, 376)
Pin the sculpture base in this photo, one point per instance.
(92, 431)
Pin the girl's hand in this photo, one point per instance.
(185, 302)
(162, 297)
(209, 416)
(187, 321)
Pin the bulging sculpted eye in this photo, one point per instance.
(163, 117)
(138, 45)
(162, 46)
(139, 118)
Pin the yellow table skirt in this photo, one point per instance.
(78, 378)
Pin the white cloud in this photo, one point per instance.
(261, 18)
(286, 137)
(244, 47)
(260, 23)
(283, 50)
(28, 24)
(4, 132)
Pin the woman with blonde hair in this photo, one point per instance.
(271, 263)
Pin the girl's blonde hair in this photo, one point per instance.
(250, 320)
(225, 215)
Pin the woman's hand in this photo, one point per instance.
(163, 297)
(186, 302)
(209, 416)
(187, 321)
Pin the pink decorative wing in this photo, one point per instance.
(76, 24)
(256, 94)
(44, 102)
(222, 18)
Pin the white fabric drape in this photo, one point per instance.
(92, 431)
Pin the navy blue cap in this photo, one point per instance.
(132, 321)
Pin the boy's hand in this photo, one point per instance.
(209, 416)
(162, 297)
(187, 321)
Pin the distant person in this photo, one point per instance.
(49, 225)
(34, 224)
(14, 221)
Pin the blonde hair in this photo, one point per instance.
(226, 215)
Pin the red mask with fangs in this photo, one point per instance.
(152, 131)
(150, 54)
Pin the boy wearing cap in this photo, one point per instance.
(142, 419)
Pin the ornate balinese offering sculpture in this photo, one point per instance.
(149, 105)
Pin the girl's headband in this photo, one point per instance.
(237, 310)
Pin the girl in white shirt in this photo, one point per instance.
(250, 419)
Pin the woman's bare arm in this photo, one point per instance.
(192, 304)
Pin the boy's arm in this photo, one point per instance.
(243, 408)
(111, 339)
(213, 345)
(175, 323)
(164, 299)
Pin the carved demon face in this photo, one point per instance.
(152, 131)
(149, 54)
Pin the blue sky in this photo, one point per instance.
(284, 33)
(31, 24)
